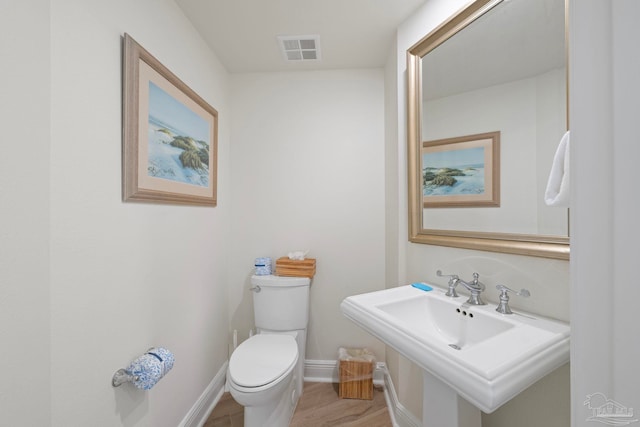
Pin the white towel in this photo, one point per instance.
(557, 193)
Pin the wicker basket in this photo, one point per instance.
(356, 377)
(297, 268)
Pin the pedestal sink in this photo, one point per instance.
(469, 352)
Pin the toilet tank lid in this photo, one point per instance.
(279, 281)
(262, 359)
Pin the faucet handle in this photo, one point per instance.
(451, 276)
(503, 291)
(453, 281)
(503, 306)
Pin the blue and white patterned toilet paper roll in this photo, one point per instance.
(149, 368)
(263, 266)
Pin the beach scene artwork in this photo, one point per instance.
(178, 140)
(454, 172)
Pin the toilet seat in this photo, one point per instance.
(263, 359)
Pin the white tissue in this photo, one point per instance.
(557, 192)
(297, 255)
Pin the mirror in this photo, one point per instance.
(487, 104)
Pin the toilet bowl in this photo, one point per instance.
(266, 372)
(261, 377)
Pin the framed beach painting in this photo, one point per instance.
(169, 135)
(462, 171)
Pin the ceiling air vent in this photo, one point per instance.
(300, 48)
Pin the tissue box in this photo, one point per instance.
(297, 268)
(356, 374)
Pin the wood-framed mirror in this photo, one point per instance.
(497, 68)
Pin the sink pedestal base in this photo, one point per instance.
(442, 407)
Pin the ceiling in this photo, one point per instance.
(353, 33)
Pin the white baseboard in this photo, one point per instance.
(400, 416)
(326, 371)
(321, 371)
(209, 398)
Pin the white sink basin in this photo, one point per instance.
(485, 356)
(445, 320)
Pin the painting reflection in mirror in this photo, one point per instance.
(462, 171)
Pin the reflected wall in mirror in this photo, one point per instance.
(497, 66)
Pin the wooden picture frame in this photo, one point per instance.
(462, 171)
(170, 135)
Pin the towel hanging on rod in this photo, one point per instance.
(558, 185)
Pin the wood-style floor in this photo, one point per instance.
(319, 406)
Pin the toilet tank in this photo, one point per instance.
(281, 303)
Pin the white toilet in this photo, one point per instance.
(266, 372)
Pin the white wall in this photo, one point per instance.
(25, 96)
(308, 174)
(546, 279)
(605, 105)
(124, 276)
(393, 151)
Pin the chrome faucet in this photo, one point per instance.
(453, 282)
(475, 287)
(503, 307)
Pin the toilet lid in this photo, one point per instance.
(262, 359)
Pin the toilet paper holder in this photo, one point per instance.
(122, 376)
